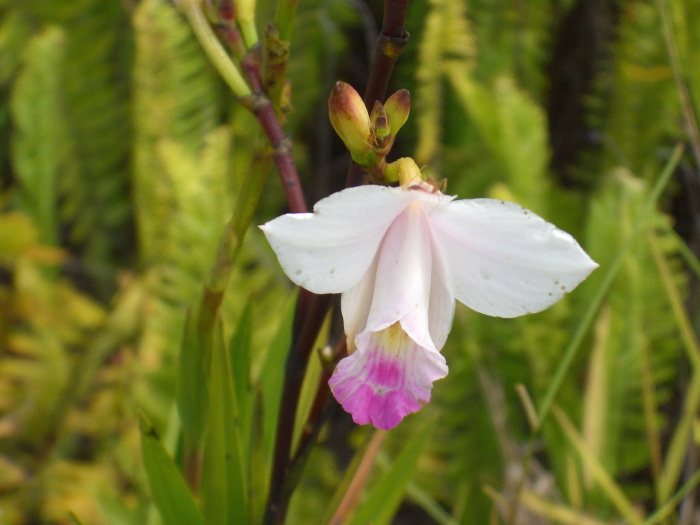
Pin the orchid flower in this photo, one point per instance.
(400, 256)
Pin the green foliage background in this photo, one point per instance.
(123, 154)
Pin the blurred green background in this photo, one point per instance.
(122, 154)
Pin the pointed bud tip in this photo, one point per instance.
(398, 107)
(349, 117)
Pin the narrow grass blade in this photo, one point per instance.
(272, 378)
(168, 488)
(609, 277)
(223, 480)
(385, 497)
(192, 386)
(597, 471)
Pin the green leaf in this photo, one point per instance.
(272, 378)
(168, 489)
(385, 496)
(258, 477)
(223, 475)
(75, 519)
(239, 357)
(192, 387)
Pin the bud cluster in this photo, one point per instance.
(368, 136)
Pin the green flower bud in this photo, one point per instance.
(349, 118)
(380, 123)
(397, 108)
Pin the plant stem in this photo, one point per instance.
(256, 101)
(213, 48)
(391, 41)
(311, 310)
(359, 480)
(263, 110)
(284, 17)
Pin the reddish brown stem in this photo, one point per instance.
(311, 309)
(390, 43)
(281, 151)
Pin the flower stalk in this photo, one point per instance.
(245, 18)
(222, 16)
(213, 48)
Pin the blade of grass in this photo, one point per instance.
(356, 476)
(272, 378)
(168, 488)
(192, 400)
(422, 498)
(223, 480)
(258, 471)
(673, 502)
(382, 501)
(609, 276)
(552, 511)
(596, 469)
(676, 456)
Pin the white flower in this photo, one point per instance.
(400, 257)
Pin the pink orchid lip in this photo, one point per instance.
(389, 377)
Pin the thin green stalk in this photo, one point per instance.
(213, 48)
(284, 17)
(689, 117)
(673, 502)
(245, 19)
(589, 460)
(676, 455)
(690, 340)
(196, 351)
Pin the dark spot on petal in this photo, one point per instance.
(297, 272)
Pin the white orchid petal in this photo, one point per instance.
(502, 260)
(442, 312)
(355, 304)
(404, 273)
(387, 378)
(330, 250)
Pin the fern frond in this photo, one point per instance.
(513, 129)
(40, 148)
(633, 103)
(447, 36)
(176, 96)
(94, 194)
